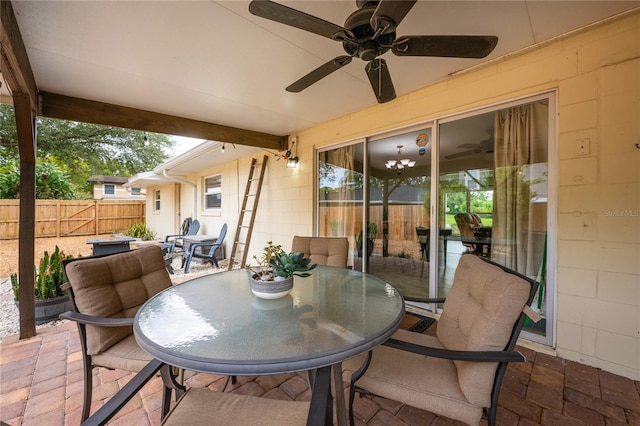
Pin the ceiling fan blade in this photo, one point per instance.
(319, 73)
(380, 79)
(452, 46)
(390, 11)
(295, 18)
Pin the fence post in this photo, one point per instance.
(96, 215)
(58, 224)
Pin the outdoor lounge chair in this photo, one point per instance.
(106, 292)
(458, 372)
(203, 406)
(171, 242)
(470, 225)
(327, 251)
(204, 250)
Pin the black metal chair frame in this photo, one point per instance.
(508, 354)
(82, 320)
(320, 410)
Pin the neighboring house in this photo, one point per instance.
(589, 85)
(111, 188)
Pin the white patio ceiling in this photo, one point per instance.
(214, 61)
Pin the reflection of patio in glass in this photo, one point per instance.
(407, 274)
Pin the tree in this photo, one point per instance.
(81, 149)
(51, 182)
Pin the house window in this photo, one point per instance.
(213, 193)
(135, 191)
(156, 201)
(109, 189)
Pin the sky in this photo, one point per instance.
(183, 144)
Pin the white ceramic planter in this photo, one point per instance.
(271, 289)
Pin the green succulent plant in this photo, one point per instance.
(287, 265)
(276, 262)
(140, 230)
(48, 276)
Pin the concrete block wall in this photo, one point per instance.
(596, 76)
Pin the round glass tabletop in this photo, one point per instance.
(215, 324)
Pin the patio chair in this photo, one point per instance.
(327, 251)
(423, 239)
(171, 242)
(203, 406)
(458, 372)
(468, 224)
(106, 292)
(204, 250)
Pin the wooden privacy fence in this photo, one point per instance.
(402, 220)
(65, 218)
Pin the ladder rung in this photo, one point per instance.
(236, 249)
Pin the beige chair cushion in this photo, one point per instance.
(115, 287)
(479, 313)
(423, 382)
(202, 406)
(327, 251)
(124, 355)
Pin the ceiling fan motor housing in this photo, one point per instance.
(366, 47)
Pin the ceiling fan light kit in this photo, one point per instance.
(368, 33)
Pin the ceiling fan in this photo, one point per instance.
(483, 147)
(368, 33)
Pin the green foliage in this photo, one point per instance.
(404, 255)
(268, 254)
(287, 265)
(140, 230)
(48, 276)
(52, 183)
(83, 149)
(275, 261)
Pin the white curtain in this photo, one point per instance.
(343, 214)
(520, 154)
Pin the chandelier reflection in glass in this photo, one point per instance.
(399, 164)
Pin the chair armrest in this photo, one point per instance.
(92, 320)
(166, 239)
(477, 356)
(425, 299)
(128, 391)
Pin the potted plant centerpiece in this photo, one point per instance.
(51, 299)
(273, 277)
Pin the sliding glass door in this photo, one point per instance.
(341, 193)
(411, 213)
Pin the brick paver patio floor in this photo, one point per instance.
(41, 384)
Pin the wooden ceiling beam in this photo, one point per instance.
(70, 108)
(16, 68)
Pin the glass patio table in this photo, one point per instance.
(214, 324)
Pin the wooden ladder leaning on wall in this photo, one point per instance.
(248, 213)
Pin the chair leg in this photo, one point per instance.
(187, 262)
(88, 389)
